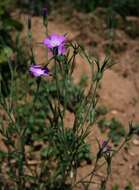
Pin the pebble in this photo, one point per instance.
(132, 154)
(136, 142)
(114, 112)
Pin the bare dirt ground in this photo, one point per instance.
(120, 87)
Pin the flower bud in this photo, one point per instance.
(45, 14)
(29, 23)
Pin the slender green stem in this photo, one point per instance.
(100, 166)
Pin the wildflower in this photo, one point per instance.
(104, 150)
(38, 71)
(56, 43)
(105, 147)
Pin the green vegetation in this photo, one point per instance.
(114, 127)
(128, 187)
(124, 7)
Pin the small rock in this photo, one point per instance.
(132, 154)
(114, 112)
(136, 142)
(33, 162)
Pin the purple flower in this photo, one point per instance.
(38, 71)
(56, 43)
(106, 147)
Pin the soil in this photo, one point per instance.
(120, 87)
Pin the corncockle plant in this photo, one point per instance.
(38, 71)
(43, 151)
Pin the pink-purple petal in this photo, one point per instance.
(56, 41)
(61, 50)
(47, 42)
(38, 71)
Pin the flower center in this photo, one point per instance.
(55, 43)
